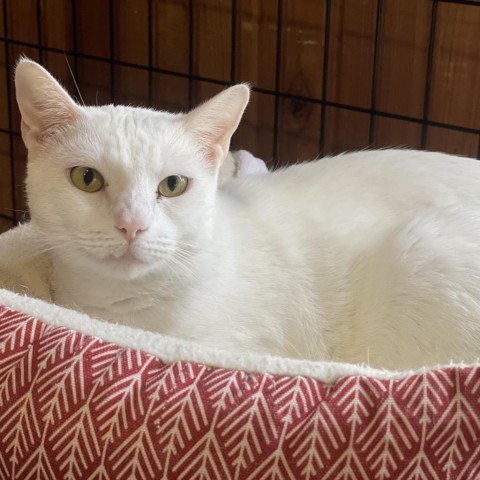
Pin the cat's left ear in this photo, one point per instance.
(215, 121)
(44, 104)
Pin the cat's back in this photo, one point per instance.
(378, 240)
(361, 195)
(381, 182)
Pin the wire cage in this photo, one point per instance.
(327, 75)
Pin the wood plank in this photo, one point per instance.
(5, 176)
(452, 141)
(256, 42)
(2, 30)
(93, 33)
(131, 31)
(170, 93)
(94, 81)
(22, 20)
(20, 166)
(170, 32)
(299, 131)
(390, 132)
(403, 57)
(131, 86)
(352, 41)
(455, 94)
(212, 38)
(303, 38)
(5, 225)
(203, 91)
(4, 74)
(57, 24)
(345, 131)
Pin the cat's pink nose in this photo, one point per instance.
(130, 229)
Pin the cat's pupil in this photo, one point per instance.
(172, 183)
(88, 176)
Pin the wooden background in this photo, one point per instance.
(311, 98)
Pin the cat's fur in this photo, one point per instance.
(366, 257)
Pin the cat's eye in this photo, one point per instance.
(87, 179)
(172, 186)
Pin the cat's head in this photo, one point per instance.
(125, 189)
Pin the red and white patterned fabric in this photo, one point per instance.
(73, 406)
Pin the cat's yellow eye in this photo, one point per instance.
(87, 179)
(172, 186)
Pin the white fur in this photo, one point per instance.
(367, 257)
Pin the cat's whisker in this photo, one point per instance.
(74, 80)
(180, 265)
(95, 236)
(182, 243)
(177, 263)
(15, 210)
(170, 271)
(184, 254)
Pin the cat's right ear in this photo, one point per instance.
(45, 106)
(215, 121)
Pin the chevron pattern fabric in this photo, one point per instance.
(76, 407)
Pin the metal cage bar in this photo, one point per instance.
(278, 73)
(8, 66)
(326, 53)
(111, 30)
(233, 53)
(74, 38)
(39, 31)
(150, 52)
(376, 61)
(190, 77)
(473, 3)
(428, 79)
(233, 49)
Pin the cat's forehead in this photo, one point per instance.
(132, 121)
(126, 135)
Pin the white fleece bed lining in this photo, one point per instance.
(172, 350)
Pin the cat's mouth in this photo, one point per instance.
(132, 257)
(135, 256)
(128, 257)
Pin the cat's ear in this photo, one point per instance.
(215, 121)
(45, 106)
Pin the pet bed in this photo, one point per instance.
(85, 399)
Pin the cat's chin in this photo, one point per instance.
(131, 265)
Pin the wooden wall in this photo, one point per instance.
(310, 98)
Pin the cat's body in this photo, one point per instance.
(368, 257)
(368, 274)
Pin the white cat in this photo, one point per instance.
(366, 257)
